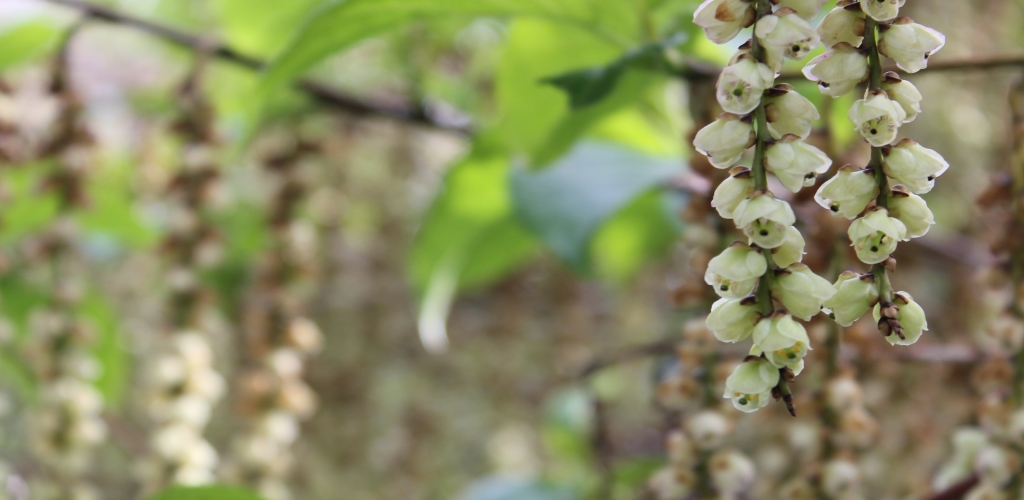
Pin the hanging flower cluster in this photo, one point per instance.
(752, 277)
(182, 384)
(67, 425)
(279, 339)
(883, 199)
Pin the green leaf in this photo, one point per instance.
(566, 203)
(508, 488)
(260, 27)
(27, 42)
(205, 493)
(108, 348)
(641, 232)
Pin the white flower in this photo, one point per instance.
(909, 43)
(724, 140)
(882, 10)
(876, 235)
(722, 20)
(764, 219)
(735, 271)
(842, 24)
(913, 165)
(904, 93)
(731, 472)
(751, 383)
(844, 393)
(732, 191)
(795, 163)
(877, 118)
(911, 317)
(783, 341)
(967, 442)
(801, 291)
(788, 112)
(849, 192)
(785, 35)
(837, 71)
(742, 84)
(671, 483)
(912, 211)
(840, 476)
(792, 249)
(681, 451)
(733, 320)
(855, 295)
(708, 429)
(806, 9)
(996, 465)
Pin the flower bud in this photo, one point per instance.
(913, 165)
(788, 112)
(751, 383)
(681, 450)
(840, 477)
(996, 465)
(671, 483)
(724, 140)
(801, 291)
(732, 191)
(876, 235)
(849, 192)
(910, 316)
(731, 472)
(742, 84)
(732, 320)
(734, 272)
(912, 211)
(783, 340)
(764, 219)
(1003, 334)
(837, 71)
(877, 118)
(844, 393)
(882, 10)
(792, 249)
(855, 294)
(806, 9)
(909, 43)
(785, 35)
(842, 25)
(708, 429)
(904, 93)
(722, 20)
(795, 163)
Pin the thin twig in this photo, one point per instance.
(319, 91)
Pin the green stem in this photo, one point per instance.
(875, 83)
(764, 295)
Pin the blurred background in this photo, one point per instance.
(501, 274)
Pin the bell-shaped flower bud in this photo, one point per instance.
(751, 383)
(855, 295)
(788, 112)
(733, 320)
(877, 118)
(742, 84)
(764, 219)
(732, 191)
(909, 44)
(844, 393)
(838, 71)
(876, 235)
(882, 10)
(783, 341)
(801, 291)
(785, 35)
(708, 429)
(910, 316)
(841, 477)
(722, 20)
(806, 9)
(724, 140)
(849, 192)
(842, 25)
(795, 163)
(792, 249)
(904, 93)
(913, 165)
(734, 272)
(732, 473)
(911, 210)
(681, 449)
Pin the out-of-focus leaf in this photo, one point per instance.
(631, 474)
(29, 210)
(566, 203)
(206, 493)
(589, 86)
(567, 426)
(260, 27)
(506, 488)
(108, 348)
(111, 213)
(27, 42)
(638, 234)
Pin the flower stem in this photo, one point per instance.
(875, 83)
(764, 295)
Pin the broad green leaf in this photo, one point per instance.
(28, 211)
(260, 27)
(566, 203)
(111, 213)
(508, 488)
(638, 234)
(27, 42)
(205, 493)
(108, 348)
